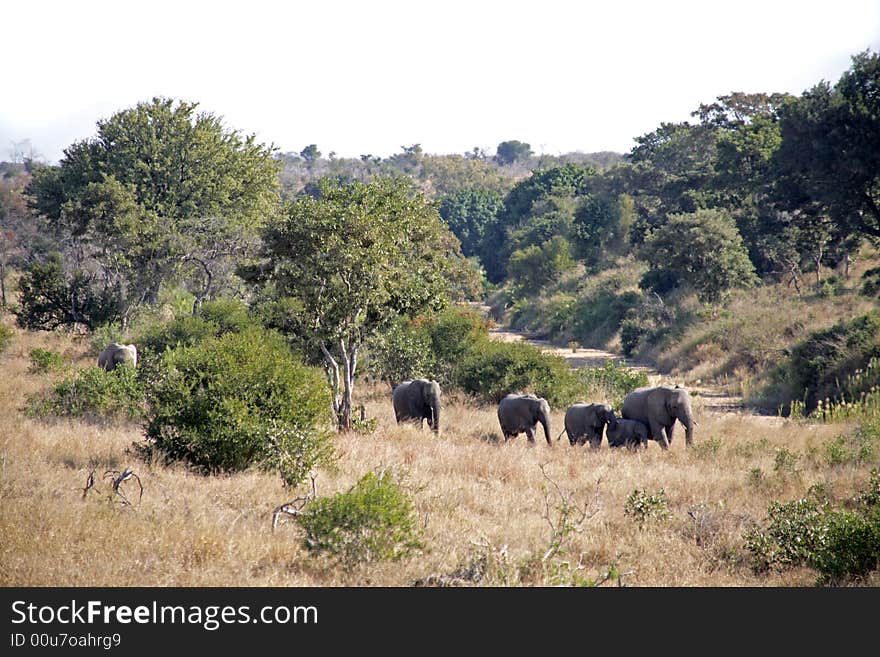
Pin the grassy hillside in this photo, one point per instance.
(487, 511)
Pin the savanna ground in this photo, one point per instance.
(490, 513)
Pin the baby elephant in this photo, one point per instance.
(627, 433)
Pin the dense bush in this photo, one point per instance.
(851, 546)
(840, 544)
(214, 318)
(374, 520)
(49, 298)
(94, 394)
(820, 366)
(498, 368)
(45, 360)
(238, 400)
(428, 346)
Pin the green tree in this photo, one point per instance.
(535, 266)
(469, 213)
(346, 264)
(162, 193)
(596, 228)
(542, 199)
(828, 160)
(310, 153)
(512, 151)
(703, 248)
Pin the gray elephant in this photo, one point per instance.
(521, 413)
(585, 422)
(417, 400)
(627, 433)
(659, 408)
(116, 354)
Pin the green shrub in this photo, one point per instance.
(51, 297)
(631, 333)
(498, 368)
(795, 530)
(833, 363)
(92, 393)
(850, 548)
(238, 400)
(374, 520)
(643, 506)
(612, 381)
(402, 352)
(45, 360)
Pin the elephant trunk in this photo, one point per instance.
(687, 420)
(544, 419)
(435, 415)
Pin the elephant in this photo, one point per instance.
(585, 422)
(627, 433)
(116, 354)
(659, 408)
(521, 413)
(417, 400)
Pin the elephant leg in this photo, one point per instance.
(669, 431)
(657, 432)
(530, 434)
(595, 440)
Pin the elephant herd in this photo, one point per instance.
(647, 413)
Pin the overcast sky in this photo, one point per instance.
(364, 76)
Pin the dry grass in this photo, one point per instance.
(474, 496)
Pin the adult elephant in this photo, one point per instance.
(585, 422)
(116, 354)
(417, 400)
(521, 413)
(659, 408)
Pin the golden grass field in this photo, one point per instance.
(477, 499)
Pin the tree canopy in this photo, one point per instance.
(161, 192)
(348, 262)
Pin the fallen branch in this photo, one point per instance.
(118, 478)
(294, 507)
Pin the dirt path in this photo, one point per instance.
(712, 399)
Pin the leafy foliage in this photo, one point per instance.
(351, 262)
(704, 249)
(49, 298)
(92, 393)
(643, 506)
(237, 400)
(842, 545)
(44, 361)
(160, 193)
(374, 520)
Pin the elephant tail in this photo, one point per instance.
(560, 434)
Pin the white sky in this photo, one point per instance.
(364, 76)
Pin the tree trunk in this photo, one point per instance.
(3, 284)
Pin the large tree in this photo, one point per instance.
(162, 192)
(702, 248)
(829, 160)
(345, 264)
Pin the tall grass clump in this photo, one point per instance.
(237, 400)
(6, 334)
